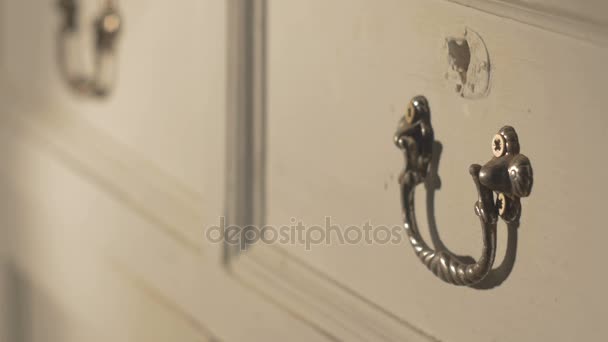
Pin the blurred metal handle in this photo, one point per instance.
(508, 173)
(107, 27)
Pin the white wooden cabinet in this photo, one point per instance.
(107, 202)
(341, 75)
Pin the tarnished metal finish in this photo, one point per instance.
(107, 27)
(508, 173)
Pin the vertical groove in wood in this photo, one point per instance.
(246, 117)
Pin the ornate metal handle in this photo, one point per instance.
(107, 27)
(508, 173)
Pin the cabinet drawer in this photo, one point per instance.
(341, 76)
(167, 105)
(109, 197)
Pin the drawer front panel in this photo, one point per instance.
(341, 75)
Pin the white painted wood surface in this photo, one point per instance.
(106, 202)
(341, 75)
(585, 20)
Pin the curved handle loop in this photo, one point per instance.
(107, 27)
(508, 173)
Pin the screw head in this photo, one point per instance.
(501, 203)
(498, 146)
(111, 22)
(410, 113)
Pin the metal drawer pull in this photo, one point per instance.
(508, 173)
(107, 27)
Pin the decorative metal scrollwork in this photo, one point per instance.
(107, 27)
(508, 173)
